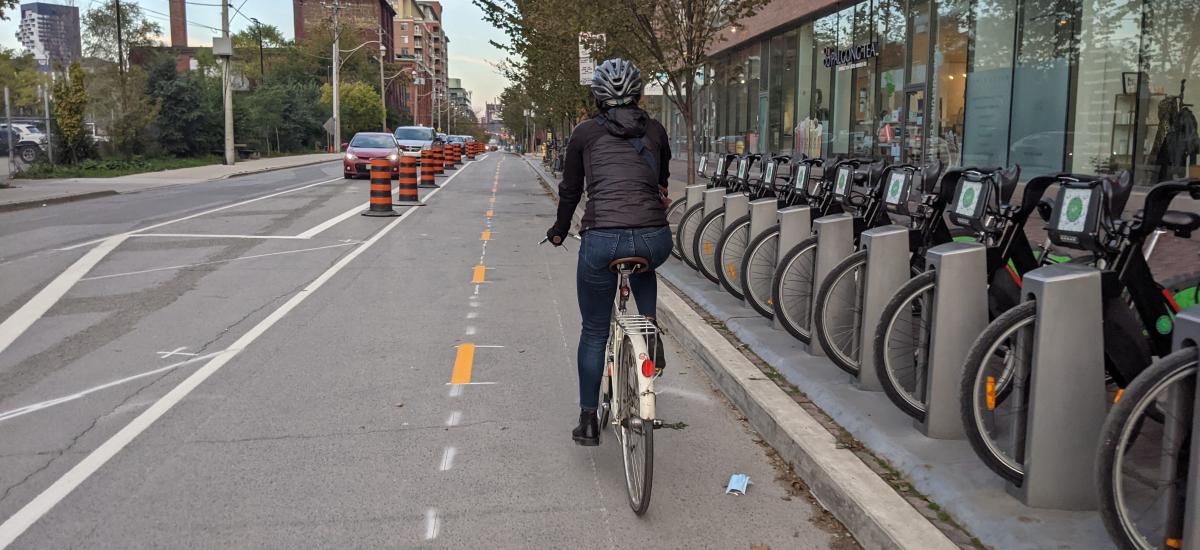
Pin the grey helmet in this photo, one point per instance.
(616, 82)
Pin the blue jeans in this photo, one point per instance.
(597, 288)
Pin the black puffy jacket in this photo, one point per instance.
(623, 190)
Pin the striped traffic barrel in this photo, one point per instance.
(448, 156)
(426, 179)
(381, 189)
(438, 151)
(406, 185)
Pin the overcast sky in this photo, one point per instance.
(471, 58)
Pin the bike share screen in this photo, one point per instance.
(769, 174)
(800, 176)
(843, 181)
(897, 187)
(1075, 222)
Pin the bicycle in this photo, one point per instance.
(708, 233)
(689, 223)
(762, 254)
(1137, 311)
(731, 247)
(679, 207)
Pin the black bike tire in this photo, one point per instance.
(891, 312)
(639, 506)
(819, 303)
(686, 247)
(971, 370)
(766, 310)
(677, 206)
(800, 333)
(707, 268)
(1116, 424)
(723, 272)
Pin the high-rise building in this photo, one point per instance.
(420, 46)
(51, 33)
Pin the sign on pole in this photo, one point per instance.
(587, 67)
(328, 125)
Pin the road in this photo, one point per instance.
(250, 363)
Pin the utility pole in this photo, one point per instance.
(120, 44)
(336, 84)
(262, 67)
(227, 85)
(49, 130)
(382, 84)
(416, 99)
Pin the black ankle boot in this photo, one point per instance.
(587, 433)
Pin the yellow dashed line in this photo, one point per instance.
(491, 200)
(479, 274)
(486, 236)
(489, 213)
(463, 362)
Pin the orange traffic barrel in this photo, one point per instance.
(426, 179)
(381, 189)
(448, 156)
(406, 185)
(471, 150)
(438, 151)
(458, 153)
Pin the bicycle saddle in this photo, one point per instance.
(633, 264)
(1118, 190)
(929, 176)
(1181, 223)
(1007, 179)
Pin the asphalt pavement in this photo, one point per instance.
(250, 363)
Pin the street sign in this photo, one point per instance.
(328, 125)
(587, 67)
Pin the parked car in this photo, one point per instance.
(28, 142)
(364, 147)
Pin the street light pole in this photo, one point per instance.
(382, 84)
(337, 107)
(230, 154)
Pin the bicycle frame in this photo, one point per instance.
(642, 334)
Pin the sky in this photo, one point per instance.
(470, 56)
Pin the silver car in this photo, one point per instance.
(416, 138)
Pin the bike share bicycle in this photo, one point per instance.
(731, 247)
(837, 304)
(708, 233)
(1137, 311)
(679, 207)
(758, 263)
(689, 223)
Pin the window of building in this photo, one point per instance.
(948, 82)
(824, 36)
(781, 70)
(890, 29)
(1166, 145)
(989, 85)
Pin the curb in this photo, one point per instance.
(261, 170)
(878, 517)
(34, 203)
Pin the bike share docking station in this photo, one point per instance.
(958, 314)
(1063, 387)
(1187, 334)
(764, 214)
(795, 225)
(835, 241)
(885, 272)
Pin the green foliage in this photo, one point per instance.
(109, 168)
(361, 111)
(282, 116)
(189, 109)
(20, 73)
(72, 140)
(7, 6)
(100, 31)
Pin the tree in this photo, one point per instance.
(5, 6)
(70, 101)
(188, 121)
(20, 73)
(676, 36)
(100, 31)
(361, 111)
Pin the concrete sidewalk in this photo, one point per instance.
(30, 193)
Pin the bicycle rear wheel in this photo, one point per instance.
(838, 308)
(758, 271)
(636, 436)
(686, 232)
(902, 344)
(704, 245)
(731, 249)
(1144, 455)
(675, 214)
(792, 289)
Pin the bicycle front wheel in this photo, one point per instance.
(792, 289)
(758, 271)
(838, 308)
(704, 244)
(1142, 466)
(688, 225)
(675, 214)
(902, 344)
(730, 251)
(635, 434)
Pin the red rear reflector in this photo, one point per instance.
(647, 368)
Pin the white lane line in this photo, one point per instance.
(432, 524)
(455, 389)
(16, 524)
(472, 315)
(491, 346)
(451, 384)
(447, 459)
(317, 229)
(198, 214)
(23, 318)
(176, 351)
(185, 266)
(211, 236)
(455, 418)
(22, 411)
(470, 331)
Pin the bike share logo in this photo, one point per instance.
(894, 192)
(855, 56)
(968, 198)
(1074, 209)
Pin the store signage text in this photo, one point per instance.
(855, 56)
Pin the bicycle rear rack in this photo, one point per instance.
(637, 325)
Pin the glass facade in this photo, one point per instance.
(1091, 86)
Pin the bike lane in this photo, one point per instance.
(423, 396)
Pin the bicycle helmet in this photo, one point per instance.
(616, 82)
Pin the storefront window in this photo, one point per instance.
(1170, 91)
(989, 84)
(947, 88)
(1105, 126)
(1038, 136)
(824, 36)
(918, 20)
(843, 88)
(750, 130)
(782, 92)
(806, 139)
(890, 32)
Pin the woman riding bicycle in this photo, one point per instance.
(622, 154)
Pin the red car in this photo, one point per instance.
(364, 147)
